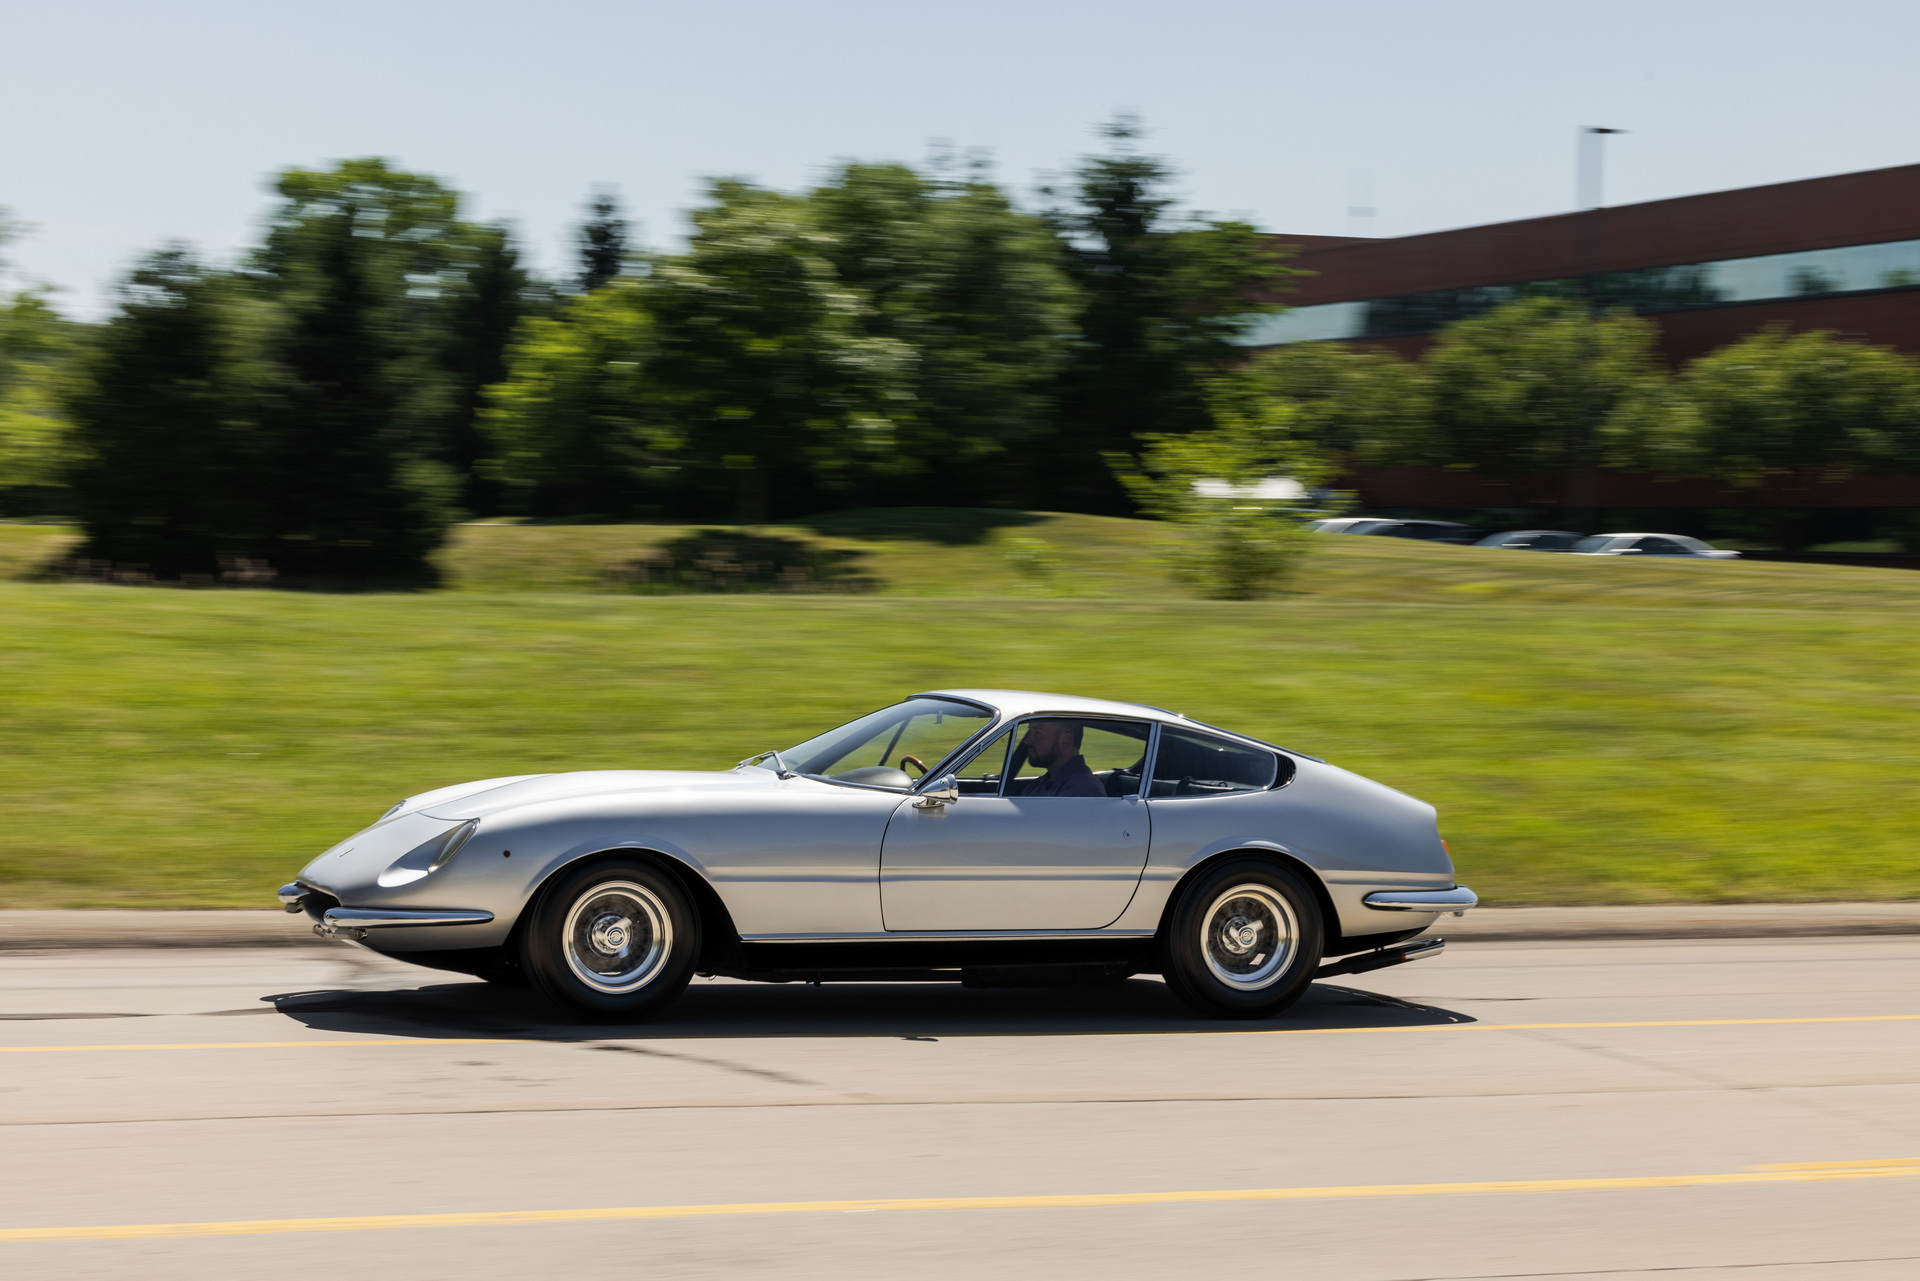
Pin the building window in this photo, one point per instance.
(1812, 273)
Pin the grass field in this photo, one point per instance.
(1592, 730)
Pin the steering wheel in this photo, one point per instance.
(914, 761)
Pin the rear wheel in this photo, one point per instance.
(613, 941)
(1243, 939)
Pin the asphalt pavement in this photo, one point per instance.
(1692, 1110)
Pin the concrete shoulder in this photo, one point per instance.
(48, 930)
(1682, 921)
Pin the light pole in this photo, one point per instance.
(1590, 161)
(1588, 195)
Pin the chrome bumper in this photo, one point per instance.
(354, 922)
(1381, 958)
(1456, 900)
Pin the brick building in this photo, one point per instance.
(1839, 253)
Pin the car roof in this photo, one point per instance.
(1510, 533)
(1027, 702)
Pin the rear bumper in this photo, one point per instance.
(1456, 900)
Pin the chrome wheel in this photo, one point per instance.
(1248, 937)
(618, 935)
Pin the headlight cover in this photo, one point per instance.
(450, 843)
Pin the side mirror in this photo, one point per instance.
(944, 791)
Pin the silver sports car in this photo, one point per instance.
(993, 837)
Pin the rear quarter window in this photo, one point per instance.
(1191, 764)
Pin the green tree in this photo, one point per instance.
(443, 295)
(1781, 403)
(1540, 387)
(354, 495)
(573, 427)
(1237, 490)
(1163, 298)
(38, 350)
(1353, 408)
(979, 292)
(764, 362)
(602, 243)
(480, 321)
(168, 471)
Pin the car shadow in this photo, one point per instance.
(724, 1010)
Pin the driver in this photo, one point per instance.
(1054, 746)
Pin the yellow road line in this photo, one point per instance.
(1279, 1031)
(509, 1218)
(248, 1045)
(1525, 1027)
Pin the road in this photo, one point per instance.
(1681, 1110)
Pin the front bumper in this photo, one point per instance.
(1456, 900)
(354, 922)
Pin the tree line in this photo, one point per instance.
(379, 366)
(1543, 386)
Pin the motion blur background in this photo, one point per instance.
(492, 326)
(398, 394)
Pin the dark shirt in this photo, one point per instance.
(1071, 779)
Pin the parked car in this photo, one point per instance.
(1045, 839)
(1346, 524)
(1431, 531)
(1533, 540)
(1650, 545)
(1435, 531)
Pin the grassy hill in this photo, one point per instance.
(1592, 730)
(973, 552)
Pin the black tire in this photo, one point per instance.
(1219, 952)
(613, 942)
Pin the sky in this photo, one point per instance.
(128, 123)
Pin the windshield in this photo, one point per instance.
(925, 729)
(1594, 543)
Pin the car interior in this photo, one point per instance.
(1189, 764)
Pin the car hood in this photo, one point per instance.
(541, 788)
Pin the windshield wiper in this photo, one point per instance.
(779, 765)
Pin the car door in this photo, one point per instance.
(1009, 853)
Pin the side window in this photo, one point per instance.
(1199, 765)
(1661, 547)
(981, 776)
(1072, 756)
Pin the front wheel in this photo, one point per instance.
(613, 941)
(1243, 940)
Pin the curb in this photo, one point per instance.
(1681, 921)
(34, 930)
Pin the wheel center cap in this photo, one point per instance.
(1240, 935)
(611, 934)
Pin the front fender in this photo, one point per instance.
(799, 858)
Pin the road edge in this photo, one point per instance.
(45, 930)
